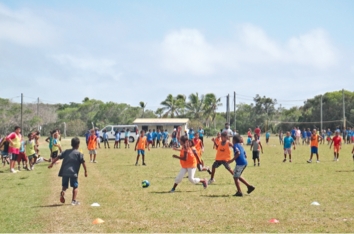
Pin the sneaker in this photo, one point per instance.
(334, 159)
(13, 171)
(172, 190)
(209, 171)
(254, 165)
(211, 181)
(318, 161)
(19, 168)
(238, 194)
(309, 161)
(94, 161)
(284, 160)
(91, 161)
(144, 164)
(62, 198)
(259, 164)
(289, 160)
(32, 168)
(337, 159)
(75, 203)
(205, 183)
(136, 164)
(250, 189)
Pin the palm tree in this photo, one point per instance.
(195, 106)
(211, 104)
(159, 112)
(142, 105)
(173, 105)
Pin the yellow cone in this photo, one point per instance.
(97, 221)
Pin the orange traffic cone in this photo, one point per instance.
(97, 221)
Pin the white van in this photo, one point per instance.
(111, 129)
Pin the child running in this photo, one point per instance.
(216, 140)
(315, 138)
(241, 164)
(30, 149)
(255, 146)
(288, 141)
(69, 170)
(188, 163)
(337, 140)
(223, 155)
(140, 146)
(56, 145)
(92, 146)
(199, 149)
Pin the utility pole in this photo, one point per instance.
(344, 120)
(321, 115)
(22, 112)
(64, 130)
(38, 112)
(235, 109)
(228, 108)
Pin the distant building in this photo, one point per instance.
(158, 123)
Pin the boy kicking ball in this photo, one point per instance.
(69, 171)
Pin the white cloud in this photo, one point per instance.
(96, 66)
(187, 51)
(25, 28)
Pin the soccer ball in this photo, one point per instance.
(39, 160)
(145, 183)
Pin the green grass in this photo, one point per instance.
(283, 191)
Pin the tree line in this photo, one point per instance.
(201, 109)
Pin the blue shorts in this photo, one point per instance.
(73, 182)
(314, 150)
(142, 152)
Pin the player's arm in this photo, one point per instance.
(236, 155)
(184, 158)
(331, 143)
(84, 165)
(294, 144)
(137, 141)
(251, 145)
(53, 161)
(260, 144)
(147, 144)
(48, 139)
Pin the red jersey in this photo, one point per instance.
(336, 140)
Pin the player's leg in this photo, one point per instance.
(75, 185)
(143, 157)
(137, 158)
(179, 178)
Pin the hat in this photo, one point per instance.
(174, 129)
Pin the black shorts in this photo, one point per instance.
(54, 154)
(201, 138)
(255, 154)
(217, 164)
(267, 140)
(13, 156)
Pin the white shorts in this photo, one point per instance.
(98, 140)
(287, 151)
(191, 172)
(92, 152)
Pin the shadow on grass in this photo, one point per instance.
(215, 195)
(163, 192)
(49, 206)
(346, 171)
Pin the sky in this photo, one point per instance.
(132, 51)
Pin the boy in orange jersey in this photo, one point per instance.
(314, 145)
(140, 145)
(188, 163)
(223, 155)
(337, 140)
(199, 149)
(92, 145)
(216, 140)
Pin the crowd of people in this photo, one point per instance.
(228, 144)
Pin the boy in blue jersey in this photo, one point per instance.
(158, 138)
(267, 137)
(241, 164)
(288, 141)
(154, 136)
(308, 134)
(329, 134)
(201, 134)
(165, 139)
(304, 136)
(149, 138)
(191, 134)
(105, 139)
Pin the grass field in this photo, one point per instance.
(30, 200)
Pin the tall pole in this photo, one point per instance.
(22, 112)
(321, 115)
(344, 121)
(235, 109)
(228, 108)
(38, 112)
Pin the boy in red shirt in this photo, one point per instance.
(337, 140)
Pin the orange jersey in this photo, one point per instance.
(223, 152)
(217, 141)
(314, 140)
(198, 146)
(191, 161)
(92, 142)
(141, 143)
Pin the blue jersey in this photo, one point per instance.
(165, 134)
(117, 136)
(201, 132)
(105, 136)
(241, 159)
(191, 135)
(309, 134)
(293, 132)
(267, 135)
(87, 136)
(149, 136)
(304, 134)
(159, 135)
(329, 133)
(287, 142)
(22, 148)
